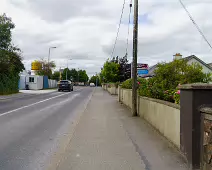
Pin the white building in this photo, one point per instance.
(34, 82)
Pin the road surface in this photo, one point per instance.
(31, 127)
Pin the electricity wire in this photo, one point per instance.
(195, 24)
(120, 21)
(128, 33)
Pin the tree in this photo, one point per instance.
(6, 26)
(93, 80)
(56, 75)
(10, 58)
(68, 74)
(83, 77)
(46, 69)
(123, 64)
(169, 75)
(75, 75)
(111, 72)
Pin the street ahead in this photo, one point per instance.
(31, 127)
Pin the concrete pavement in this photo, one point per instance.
(31, 127)
(108, 138)
(38, 91)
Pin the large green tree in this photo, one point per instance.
(6, 26)
(10, 58)
(169, 75)
(83, 77)
(111, 72)
(75, 76)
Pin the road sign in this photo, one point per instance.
(142, 66)
(142, 72)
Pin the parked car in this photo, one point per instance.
(65, 85)
(92, 85)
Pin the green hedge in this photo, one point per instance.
(8, 84)
(149, 88)
(128, 83)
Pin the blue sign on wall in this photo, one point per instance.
(142, 72)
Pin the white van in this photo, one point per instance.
(92, 85)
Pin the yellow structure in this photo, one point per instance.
(36, 65)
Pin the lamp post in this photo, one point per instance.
(67, 70)
(49, 55)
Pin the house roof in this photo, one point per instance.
(196, 58)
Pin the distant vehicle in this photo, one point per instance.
(65, 85)
(92, 85)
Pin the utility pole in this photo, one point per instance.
(96, 80)
(134, 66)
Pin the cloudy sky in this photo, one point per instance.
(85, 30)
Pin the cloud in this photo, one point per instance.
(85, 30)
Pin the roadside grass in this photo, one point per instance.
(9, 94)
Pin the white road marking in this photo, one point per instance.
(59, 103)
(32, 104)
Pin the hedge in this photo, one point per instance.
(8, 84)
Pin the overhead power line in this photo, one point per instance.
(129, 27)
(117, 35)
(195, 24)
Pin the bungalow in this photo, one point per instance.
(207, 68)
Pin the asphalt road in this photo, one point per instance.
(31, 127)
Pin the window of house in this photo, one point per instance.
(31, 79)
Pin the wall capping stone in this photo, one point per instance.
(201, 86)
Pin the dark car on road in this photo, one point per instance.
(65, 85)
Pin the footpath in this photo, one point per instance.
(109, 138)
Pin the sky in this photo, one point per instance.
(85, 30)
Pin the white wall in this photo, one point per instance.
(162, 115)
(22, 82)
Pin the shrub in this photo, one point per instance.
(8, 84)
(128, 83)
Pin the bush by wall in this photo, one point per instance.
(128, 83)
(167, 77)
(149, 88)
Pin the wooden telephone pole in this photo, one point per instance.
(134, 66)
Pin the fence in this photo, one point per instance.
(52, 83)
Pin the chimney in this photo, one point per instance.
(177, 56)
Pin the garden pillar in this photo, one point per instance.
(192, 97)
